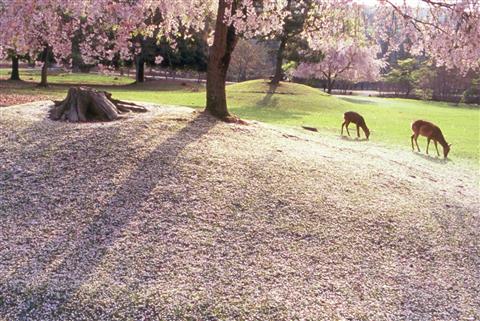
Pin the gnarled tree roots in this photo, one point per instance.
(87, 104)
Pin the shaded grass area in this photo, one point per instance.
(33, 75)
(295, 105)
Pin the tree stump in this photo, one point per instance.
(84, 104)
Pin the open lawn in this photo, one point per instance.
(294, 105)
(33, 75)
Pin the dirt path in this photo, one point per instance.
(171, 215)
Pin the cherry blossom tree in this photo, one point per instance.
(246, 66)
(346, 60)
(293, 26)
(325, 19)
(118, 29)
(235, 19)
(9, 53)
(456, 21)
(122, 28)
(446, 31)
(7, 41)
(43, 27)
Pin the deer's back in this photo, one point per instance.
(426, 128)
(354, 117)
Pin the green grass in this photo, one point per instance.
(388, 119)
(69, 78)
(295, 105)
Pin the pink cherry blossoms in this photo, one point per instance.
(346, 60)
(30, 27)
(446, 31)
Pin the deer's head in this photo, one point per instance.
(446, 150)
(367, 132)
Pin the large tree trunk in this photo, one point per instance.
(220, 55)
(46, 56)
(15, 73)
(330, 83)
(278, 76)
(43, 81)
(139, 68)
(87, 104)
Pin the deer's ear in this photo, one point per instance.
(449, 145)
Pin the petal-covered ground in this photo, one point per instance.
(12, 99)
(171, 215)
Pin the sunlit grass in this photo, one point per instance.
(294, 105)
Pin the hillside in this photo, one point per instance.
(173, 215)
(288, 104)
(389, 119)
(293, 104)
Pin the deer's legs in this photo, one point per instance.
(415, 137)
(346, 126)
(436, 147)
(412, 138)
(428, 143)
(343, 124)
(358, 131)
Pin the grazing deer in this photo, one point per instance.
(431, 131)
(357, 119)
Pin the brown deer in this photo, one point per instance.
(431, 131)
(357, 119)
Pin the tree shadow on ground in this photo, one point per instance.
(268, 114)
(91, 245)
(267, 99)
(41, 158)
(357, 101)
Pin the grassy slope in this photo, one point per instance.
(294, 105)
(389, 119)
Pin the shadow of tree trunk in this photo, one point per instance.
(89, 248)
(272, 88)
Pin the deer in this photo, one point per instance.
(357, 119)
(432, 132)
